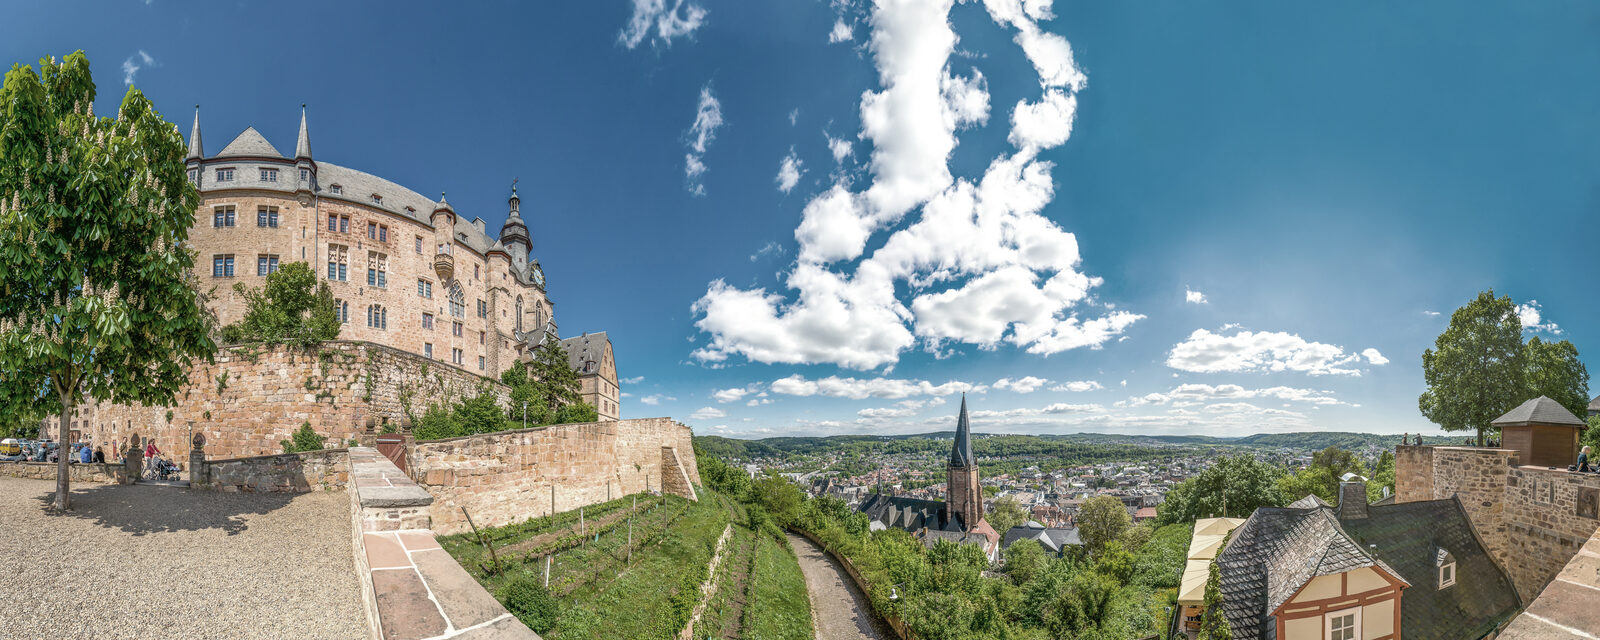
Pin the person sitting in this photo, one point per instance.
(1583, 460)
(99, 456)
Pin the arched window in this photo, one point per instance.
(519, 313)
(377, 317)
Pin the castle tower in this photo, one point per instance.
(444, 225)
(963, 496)
(514, 234)
(197, 151)
(305, 167)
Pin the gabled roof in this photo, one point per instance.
(1594, 405)
(909, 514)
(961, 452)
(1311, 501)
(1051, 538)
(586, 348)
(250, 143)
(1541, 410)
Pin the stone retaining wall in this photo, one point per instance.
(100, 472)
(507, 477)
(325, 470)
(255, 396)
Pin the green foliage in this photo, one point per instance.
(1101, 519)
(779, 608)
(780, 498)
(479, 414)
(1158, 563)
(1554, 370)
(1591, 436)
(577, 412)
(1080, 608)
(1321, 478)
(304, 439)
(528, 600)
(437, 423)
(1235, 485)
(1006, 513)
(1024, 559)
(294, 308)
(1114, 560)
(1476, 370)
(1213, 626)
(547, 389)
(1382, 476)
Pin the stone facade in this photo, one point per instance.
(1531, 519)
(101, 473)
(252, 397)
(591, 356)
(508, 477)
(325, 470)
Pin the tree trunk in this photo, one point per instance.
(64, 451)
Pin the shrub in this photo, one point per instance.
(303, 440)
(531, 603)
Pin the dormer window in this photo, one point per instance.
(269, 175)
(337, 190)
(1447, 568)
(377, 199)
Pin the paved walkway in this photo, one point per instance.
(1566, 609)
(164, 562)
(839, 610)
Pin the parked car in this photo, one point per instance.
(10, 447)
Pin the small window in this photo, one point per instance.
(383, 233)
(269, 175)
(427, 321)
(194, 176)
(344, 224)
(1446, 564)
(372, 231)
(455, 356)
(305, 175)
(427, 349)
(267, 217)
(483, 309)
(424, 289)
(377, 199)
(222, 217)
(341, 308)
(266, 264)
(224, 175)
(333, 222)
(480, 363)
(474, 271)
(480, 337)
(455, 329)
(222, 266)
(419, 244)
(1343, 625)
(337, 190)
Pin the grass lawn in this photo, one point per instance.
(780, 609)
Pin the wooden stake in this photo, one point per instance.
(483, 540)
(547, 572)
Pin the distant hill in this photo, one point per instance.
(733, 448)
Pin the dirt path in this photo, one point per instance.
(738, 581)
(839, 610)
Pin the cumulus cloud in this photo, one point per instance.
(1079, 386)
(885, 412)
(979, 265)
(789, 171)
(134, 63)
(862, 388)
(633, 380)
(1531, 318)
(841, 32)
(1190, 295)
(731, 395)
(655, 399)
(1260, 351)
(708, 413)
(1373, 356)
(840, 148)
(1194, 393)
(653, 16)
(1026, 384)
(707, 119)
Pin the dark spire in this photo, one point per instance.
(302, 147)
(197, 150)
(961, 453)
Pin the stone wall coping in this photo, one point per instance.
(1457, 447)
(567, 425)
(53, 464)
(380, 484)
(278, 455)
(368, 344)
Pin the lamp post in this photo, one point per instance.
(524, 414)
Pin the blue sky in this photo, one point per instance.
(809, 217)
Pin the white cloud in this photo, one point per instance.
(134, 63)
(839, 147)
(708, 413)
(789, 171)
(633, 380)
(655, 399)
(680, 20)
(794, 116)
(1079, 386)
(756, 402)
(981, 264)
(1373, 356)
(1531, 318)
(707, 119)
(884, 412)
(769, 249)
(1027, 384)
(1262, 351)
(1430, 313)
(1190, 295)
(731, 395)
(862, 388)
(841, 32)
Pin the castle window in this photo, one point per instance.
(483, 309)
(341, 309)
(519, 313)
(383, 233)
(344, 224)
(424, 288)
(455, 356)
(333, 222)
(337, 190)
(372, 231)
(265, 264)
(455, 329)
(377, 269)
(377, 199)
(338, 262)
(224, 175)
(222, 265)
(305, 175)
(269, 175)
(267, 217)
(222, 217)
(427, 349)
(1343, 625)
(194, 176)
(475, 272)
(377, 317)
(427, 321)
(419, 244)
(480, 337)
(1447, 567)
(480, 363)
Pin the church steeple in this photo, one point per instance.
(197, 150)
(305, 167)
(514, 234)
(961, 453)
(963, 495)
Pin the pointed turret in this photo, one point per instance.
(302, 147)
(961, 453)
(514, 234)
(197, 151)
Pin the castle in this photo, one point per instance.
(406, 271)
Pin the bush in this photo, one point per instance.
(303, 440)
(531, 603)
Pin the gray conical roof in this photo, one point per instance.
(302, 148)
(961, 453)
(514, 229)
(250, 144)
(197, 151)
(1540, 410)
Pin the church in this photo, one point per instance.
(959, 518)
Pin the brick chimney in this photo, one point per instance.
(1352, 500)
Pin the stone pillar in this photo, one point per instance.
(197, 463)
(133, 459)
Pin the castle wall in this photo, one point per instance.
(502, 478)
(1531, 519)
(254, 396)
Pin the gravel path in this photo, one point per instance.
(839, 610)
(163, 562)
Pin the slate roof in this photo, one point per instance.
(1051, 538)
(1409, 537)
(961, 452)
(1540, 410)
(249, 143)
(1594, 405)
(1311, 501)
(910, 514)
(589, 347)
